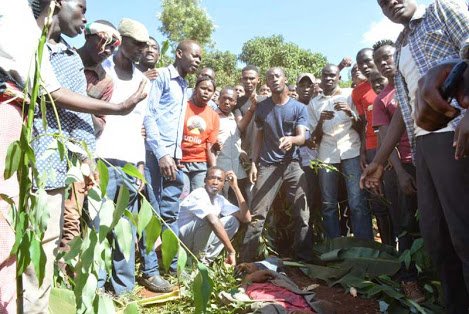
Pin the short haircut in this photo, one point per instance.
(251, 68)
(156, 41)
(185, 44)
(214, 168)
(203, 78)
(364, 50)
(331, 66)
(382, 43)
(227, 88)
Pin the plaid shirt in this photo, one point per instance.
(433, 37)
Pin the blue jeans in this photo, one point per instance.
(194, 176)
(164, 196)
(360, 213)
(123, 271)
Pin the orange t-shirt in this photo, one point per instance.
(201, 126)
(363, 97)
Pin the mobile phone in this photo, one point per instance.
(455, 76)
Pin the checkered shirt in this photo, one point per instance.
(435, 37)
(76, 126)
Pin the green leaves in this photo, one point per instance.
(62, 301)
(152, 233)
(38, 259)
(266, 52)
(13, 158)
(103, 176)
(123, 232)
(202, 289)
(182, 260)
(144, 216)
(182, 19)
(132, 171)
(169, 247)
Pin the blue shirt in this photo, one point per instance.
(76, 127)
(278, 121)
(433, 37)
(164, 120)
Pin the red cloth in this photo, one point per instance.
(384, 107)
(269, 292)
(363, 97)
(201, 126)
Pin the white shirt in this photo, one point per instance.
(198, 205)
(122, 135)
(20, 35)
(411, 74)
(340, 141)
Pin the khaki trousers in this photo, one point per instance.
(36, 299)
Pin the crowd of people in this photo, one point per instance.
(214, 157)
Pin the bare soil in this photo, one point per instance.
(342, 301)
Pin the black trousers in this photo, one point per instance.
(443, 201)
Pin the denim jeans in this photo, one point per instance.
(164, 195)
(269, 181)
(194, 176)
(123, 271)
(359, 211)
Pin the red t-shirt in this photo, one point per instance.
(384, 107)
(363, 97)
(201, 126)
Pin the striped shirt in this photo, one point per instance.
(434, 36)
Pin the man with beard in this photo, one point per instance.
(149, 59)
(164, 124)
(281, 124)
(208, 221)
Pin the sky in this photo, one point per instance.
(335, 28)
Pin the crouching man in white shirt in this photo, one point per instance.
(208, 221)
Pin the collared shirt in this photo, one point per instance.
(164, 120)
(198, 205)
(433, 36)
(76, 126)
(339, 141)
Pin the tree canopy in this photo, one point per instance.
(224, 65)
(185, 19)
(266, 52)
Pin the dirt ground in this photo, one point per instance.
(343, 301)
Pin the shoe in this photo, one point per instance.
(156, 284)
(412, 291)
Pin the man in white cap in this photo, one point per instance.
(121, 142)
